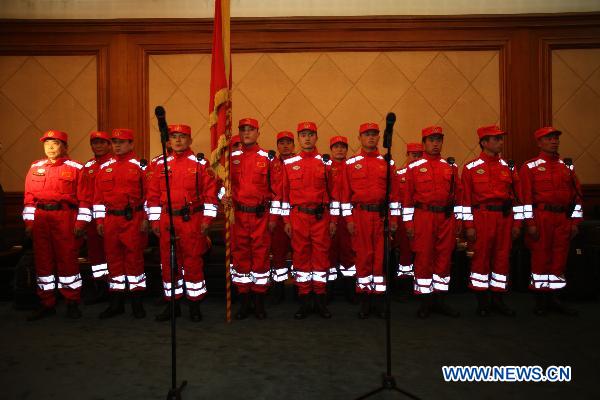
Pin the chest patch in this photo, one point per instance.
(480, 171)
(296, 167)
(236, 162)
(91, 171)
(109, 170)
(423, 169)
(542, 169)
(261, 164)
(66, 174)
(358, 166)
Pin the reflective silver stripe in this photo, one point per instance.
(260, 279)
(275, 208)
(319, 276)
(528, 211)
(348, 271)
(285, 209)
(210, 210)
(69, 282)
(423, 286)
(193, 289)
(28, 213)
(99, 211)
(458, 212)
(518, 212)
(478, 284)
(136, 281)
(279, 274)
(46, 282)
(154, 213)
(221, 193)
(407, 213)
(73, 164)
(577, 212)
(417, 163)
(99, 270)
(334, 211)
(440, 282)
(236, 153)
(405, 270)
(84, 214)
(301, 276)
(534, 164)
(332, 275)
(117, 282)
(292, 160)
(335, 204)
(475, 163)
(352, 160)
(178, 291)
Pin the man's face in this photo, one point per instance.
(369, 140)
(54, 149)
(339, 151)
(285, 146)
(180, 142)
(121, 146)
(493, 144)
(100, 147)
(248, 135)
(549, 143)
(433, 145)
(414, 155)
(307, 139)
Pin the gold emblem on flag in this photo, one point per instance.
(541, 169)
(423, 169)
(480, 171)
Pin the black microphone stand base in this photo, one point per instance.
(175, 393)
(388, 382)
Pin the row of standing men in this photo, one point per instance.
(328, 210)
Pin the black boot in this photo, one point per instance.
(541, 307)
(259, 306)
(195, 314)
(440, 307)
(98, 292)
(483, 303)
(278, 292)
(137, 305)
(73, 311)
(557, 306)
(425, 307)
(116, 306)
(379, 305)
(40, 313)
(500, 307)
(350, 290)
(365, 305)
(304, 307)
(165, 315)
(244, 306)
(322, 306)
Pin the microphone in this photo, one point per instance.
(451, 160)
(200, 156)
(390, 120)
(143, 163)
(326, 158)
(568, 161)
(511, 164)
(159, 111)
(271, 154)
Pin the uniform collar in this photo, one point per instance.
(184, 154)
(251, 149)
(374, 153)
(336, 162)
(305, 154)
(58, 162)
(283, 158)
(104, 158)
(125, 156)
(488, 158)
(548, 157)
(432, 158)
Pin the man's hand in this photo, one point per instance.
(28, 230)
(332, 228)
(533, 232)
(272, 225)
(145, 226)
(516, 232)
(100, 229)
(471, 234)
(156, 229)
(410, 233)
(458, 229)
(350, 227)
(393, 227)
(204, 228)
(574, 231)
(78, 231)
(288, 229)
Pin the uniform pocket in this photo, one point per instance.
(106, 183)
(295, 179)
(67, 185)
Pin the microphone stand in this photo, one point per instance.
(174, 391)
(388, 382)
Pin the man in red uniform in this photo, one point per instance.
(252, 192)
(362, 197)
(306, 193)
(488, 203)
(122, 222)
(552, 208)
(430, 217)
(193, 197)
(341, 252)
(102, 149)
(414, 151)
(51, 216)
(280, 242)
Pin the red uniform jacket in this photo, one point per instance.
(364, 182)
(547, 180)
(120, 182)
(88, 179)
(54, 182)
(428, 182)
(488, 180)
(192, 183)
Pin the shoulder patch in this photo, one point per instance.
(417, 163)
(38, 163)
(292, 160)
(90, 163)
(73, 164)
(475, 163)
(107, 163)
(535, 163)
(354, 159)
(236, 153)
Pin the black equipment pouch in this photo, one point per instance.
(260, 210)
(185, 213)
(319, 211)
(128, 212)
(507, 207)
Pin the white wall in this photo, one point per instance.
(112, 9)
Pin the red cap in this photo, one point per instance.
(338, 139)
(53, 134)
(235, 139)
(99, 135)
(546, 131)
(432, 130)
(285, 134)
(368, 126)
(306, 126)
(414, 147)
(489, 130)
(122, 133)
(180, 128)
(248, 121)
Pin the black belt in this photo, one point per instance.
(371, 207)
(490, 207)
(250, 209)
(551, 207)
(319, 210)
(125, 211)
(435, 209)
(187, 211)
(55, 206)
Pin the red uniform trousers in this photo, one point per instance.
(405, 253)
(251, 241)
(56, 249)
(310, 251)
(280, 248)
(124, 246)
(367, 241)
(190, 245)
(434, 241)
(490, 265)
(549, 253)
(95, 251)
(341, 253)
